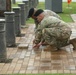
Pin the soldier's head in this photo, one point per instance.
(39, 15)
(31, 13)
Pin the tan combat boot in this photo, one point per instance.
(73, 42)
(51, 48)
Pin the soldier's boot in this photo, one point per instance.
(54, 48)
(51, 48)
(73, 42)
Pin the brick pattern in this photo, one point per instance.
(34, 61)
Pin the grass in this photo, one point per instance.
(65, 15)
(66, 12)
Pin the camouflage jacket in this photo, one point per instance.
(51, 13)
(51, 22)
(48, 13)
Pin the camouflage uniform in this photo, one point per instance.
(51, 13)
(54, 31)
(48, 13)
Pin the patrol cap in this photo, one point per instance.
(39, 11)
(31, 11)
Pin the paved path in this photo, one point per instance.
(28, 60)
(74, 17)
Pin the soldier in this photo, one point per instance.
(46, 12)
(54, 31)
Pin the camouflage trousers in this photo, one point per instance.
(56, 36)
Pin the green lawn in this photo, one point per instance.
(64, 7)
(65, 15)
(68, 11)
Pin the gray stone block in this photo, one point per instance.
(54, 5)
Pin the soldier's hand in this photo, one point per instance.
(35, 41)
(37, 45)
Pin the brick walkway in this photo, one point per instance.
(28, 60)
